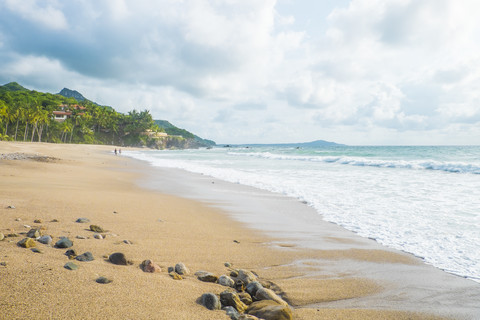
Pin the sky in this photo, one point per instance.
(357, 72)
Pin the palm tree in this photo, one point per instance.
(65, 127)
(17, 116)
(36, 117)
(27, 116)
(42, 120)
(4, 114)
(75, 118)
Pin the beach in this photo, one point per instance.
(342, 276)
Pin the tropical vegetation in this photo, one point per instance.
(27, 115)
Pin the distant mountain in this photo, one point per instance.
(13, 86)
(67, 93)
(172, 130)
(313, 144)
(72, 94)
(319, 143)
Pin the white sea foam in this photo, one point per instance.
(454, 167)
(432, 211)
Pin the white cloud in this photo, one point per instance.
(32, 71)
(44, 13)
(374, 67)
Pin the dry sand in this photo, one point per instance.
(89, 181)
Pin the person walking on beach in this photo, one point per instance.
(115, 151)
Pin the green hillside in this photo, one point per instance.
(13, 86)
(175, 131)
(28, 115)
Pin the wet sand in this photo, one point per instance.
(340, 277)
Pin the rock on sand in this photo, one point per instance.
(118, 258)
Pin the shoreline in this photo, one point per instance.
(289, 223)
(90, 181)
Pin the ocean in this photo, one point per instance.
(421, 200)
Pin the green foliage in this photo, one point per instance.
(194, 141)
(13, 86)
(27, 115)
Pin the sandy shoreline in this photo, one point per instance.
(89, 181)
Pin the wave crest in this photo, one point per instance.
(452, 167)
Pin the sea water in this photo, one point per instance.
(422, 200)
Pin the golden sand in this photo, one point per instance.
(89, 181)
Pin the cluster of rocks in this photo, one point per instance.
(35, 235)
(245, 298)
(25, 156)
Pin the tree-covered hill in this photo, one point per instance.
(13, 86)
(175, 131)
(28, 115)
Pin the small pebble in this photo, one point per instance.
(2, 236)
(226, 281)
(118, 258)
(95, 228)
(45, 239)
(26, 226)
(103, 280)
(82, 220)
(98, 236)
(127, 242)
(71, 253)
(210, 301)
(81, 237)
(18, 219)
(54, 220)
(64, 243)
(27, 243)
(11, 207)
(175, 276)
(36, 250)
(181, 269)
(70, 266)
(37, 221)
(3, 264)
(227, 264)
(34, 233)
(87, 256)
(206, 276)
(253, 287)
(231, 311)
(150, 266)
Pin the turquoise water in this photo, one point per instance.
(422, 200)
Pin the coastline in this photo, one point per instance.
(407, 282)
(89, 181)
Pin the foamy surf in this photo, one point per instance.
(422, 200)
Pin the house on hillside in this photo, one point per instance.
(66, 112)
(154, 134)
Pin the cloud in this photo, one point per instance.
(247, 106)
(396, 66)
(42, 14)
